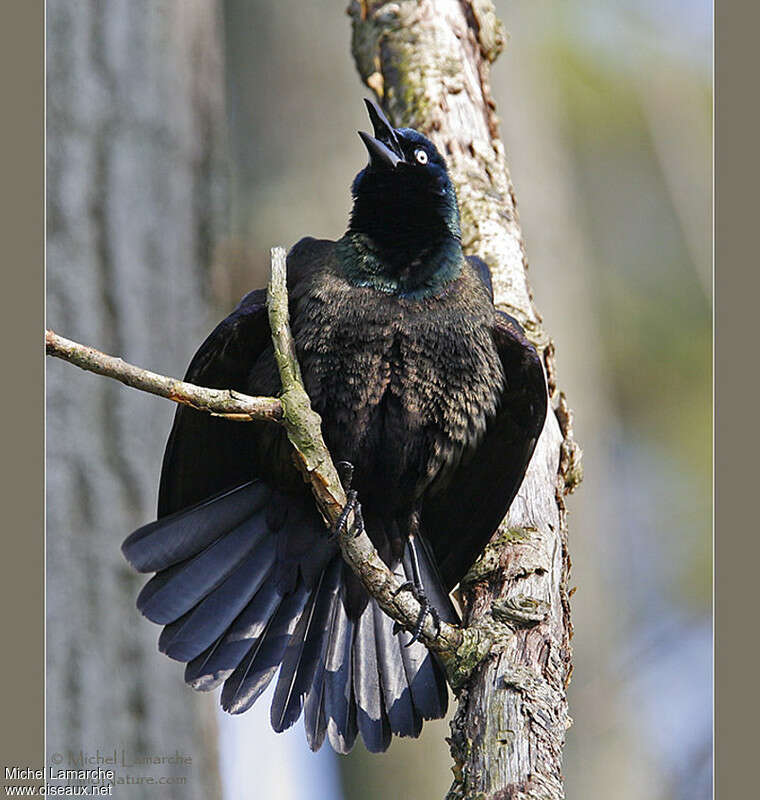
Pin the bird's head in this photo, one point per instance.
(405, 205)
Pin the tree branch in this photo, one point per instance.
(225, 403)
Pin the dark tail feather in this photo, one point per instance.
(370, 712)
(306, 648)
(176, 537)
(423, 672)
(219, 661)
(411, 678)
(189, 636)
(314, 717)
(426, 680)
(314, 720)
(366, 679)
(339, 704)
(256, 670)
(403, 717)
(431, 578)
(174, 591)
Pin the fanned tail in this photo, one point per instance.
(246, 584)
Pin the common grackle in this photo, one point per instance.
(435, 398)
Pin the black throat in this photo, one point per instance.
(403, 241)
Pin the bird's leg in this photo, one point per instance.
(417, 590)
(346, 475)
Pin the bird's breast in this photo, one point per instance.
(404, 388)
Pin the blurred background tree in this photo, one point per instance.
(607, 118)
(135, 104)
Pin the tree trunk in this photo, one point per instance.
(428, 62)
(135, 105)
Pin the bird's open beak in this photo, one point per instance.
(380, 155)
(383, 148)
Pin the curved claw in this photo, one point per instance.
(358, 527)
(425, 609)
(351, 502)
(346, 475)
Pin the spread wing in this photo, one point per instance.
(460, 521)
(206, 455)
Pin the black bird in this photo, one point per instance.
(435, 398)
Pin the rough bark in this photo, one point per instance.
(428, 63)
(134, 107)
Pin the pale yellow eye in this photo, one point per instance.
(421, 156)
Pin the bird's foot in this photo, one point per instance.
(346, 474)
(426, 609)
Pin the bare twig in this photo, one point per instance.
(225, 403)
